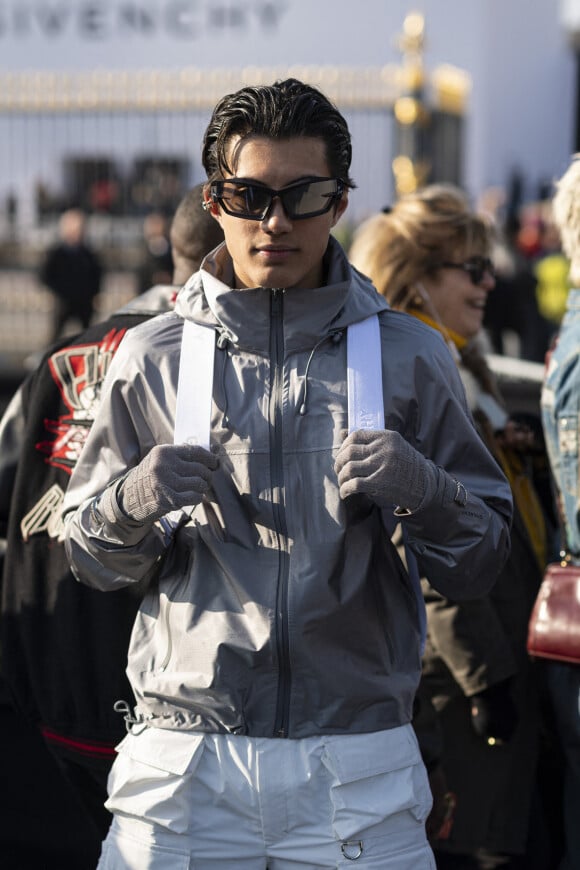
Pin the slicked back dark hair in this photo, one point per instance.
(280, 111)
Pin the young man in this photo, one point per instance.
(277, 652)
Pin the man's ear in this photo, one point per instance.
(210, 206)
(340, 207)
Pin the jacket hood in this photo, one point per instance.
(156, 300)
(244, 315)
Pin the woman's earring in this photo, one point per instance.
(421, 296)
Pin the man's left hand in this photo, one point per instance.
(381, 464)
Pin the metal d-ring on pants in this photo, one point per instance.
(186, 801)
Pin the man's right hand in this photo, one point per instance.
(170, 477)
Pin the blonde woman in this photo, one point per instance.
(430, 256)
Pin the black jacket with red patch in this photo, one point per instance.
(64, 645)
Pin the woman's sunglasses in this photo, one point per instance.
(476, 267)
(304, 199)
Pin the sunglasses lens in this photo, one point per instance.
(475, 267)
(243, 200)
(478, 267)
(310, 198)
(306, 199)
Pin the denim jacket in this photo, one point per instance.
(561, 418)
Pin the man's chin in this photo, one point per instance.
(271, 278)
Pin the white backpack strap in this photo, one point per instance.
(195, 385)
(364, 373)
(366, 411)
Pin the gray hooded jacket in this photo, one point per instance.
(278, 609)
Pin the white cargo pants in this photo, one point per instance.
(184, 801)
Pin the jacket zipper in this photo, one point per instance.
(277, 478)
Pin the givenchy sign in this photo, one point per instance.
(101, 20)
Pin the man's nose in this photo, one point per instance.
(276, 219)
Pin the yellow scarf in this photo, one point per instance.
(522, 487)
(447, 333)
(526, 499)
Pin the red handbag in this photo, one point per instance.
(554, 626)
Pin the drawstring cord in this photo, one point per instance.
(335, 337)
(130, 719)
(222, 343)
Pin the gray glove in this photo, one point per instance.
(170, 477)
(381, 464)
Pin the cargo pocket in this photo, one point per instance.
(380, 798)
(150, 777)
(389, 857)
(125, 853)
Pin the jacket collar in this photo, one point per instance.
(308, 315)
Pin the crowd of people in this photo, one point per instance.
(273, 536)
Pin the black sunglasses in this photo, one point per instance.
(476, 267)
(301, 200)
